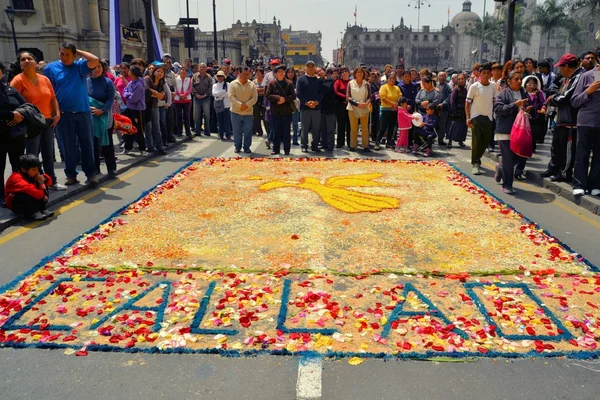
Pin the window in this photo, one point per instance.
(297, 53)
(435, 38)
(416, 37)
(425, 38)
(23, 4)
(367, 37)
(447, 37)
(378, 37)
(354, 54)
(387, 37)
(355, 37)
(401, 37)
(446, 55)
(401, 52)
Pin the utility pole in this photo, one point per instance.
(510, 28)
(187, 5)
(483, 28)
(215, 44)
(418, 4)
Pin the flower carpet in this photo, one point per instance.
(342, 258)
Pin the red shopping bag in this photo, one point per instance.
(124, 125)
(521, 141)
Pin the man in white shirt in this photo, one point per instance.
(479, 108)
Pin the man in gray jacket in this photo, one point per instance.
(445, 91)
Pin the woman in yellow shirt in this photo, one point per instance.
(389, 95)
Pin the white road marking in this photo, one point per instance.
(308, 386)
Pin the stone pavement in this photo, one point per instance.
(538, 164)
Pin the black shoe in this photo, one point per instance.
(273, 153)
(304, 149)
(557, 178)
(161, 152)
(287, 153)
(296, 144)
(498, 173)
(237, 150)
(339, 146)
(172, 140)
(441, 143)
(367, 149)
(519, 177)
(546, 174)
(247, 151)
(48, 214)
(207, 134)
(352, 148)
(461, 144)
(315, 150)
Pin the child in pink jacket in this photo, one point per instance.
(404, 125)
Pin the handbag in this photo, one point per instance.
(521, 142)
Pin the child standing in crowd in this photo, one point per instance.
(404, 125)
(27, 189)
(135, 97)
(427, 130)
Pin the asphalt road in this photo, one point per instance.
(44, 374)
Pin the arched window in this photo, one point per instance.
(354, 54)
(401, 52)
(446, 55)
(447, 37)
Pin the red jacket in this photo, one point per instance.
(19, 183)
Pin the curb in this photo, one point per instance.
(82, 188)
(563, 189)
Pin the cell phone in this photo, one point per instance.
(596, 76)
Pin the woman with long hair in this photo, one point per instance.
(340, 88)
(134, 96)
(155, 91)
(102, 96)
(37, 90)
(183, 102)
(123, 79)
(457, 117)
(359, 103)
(291, 76)
(389, 95)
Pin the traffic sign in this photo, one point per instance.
(188, 21)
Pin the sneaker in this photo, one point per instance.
(490, 149)
(237, 150)
(38, 216)
(48, 213)
(304, 149)
(498, 173)
(578, 192)
(476, 170)
(58, 187)
(398, 149)
(415, 148)
(427, 153)
(595, 192)
(519, 177)
(206, 133)
(557, 178)
(71, 181)
(315, 150)
(126, 152)
(143, 153)
(508, 191)
(93, 181)
(377, 146)
(274, 153)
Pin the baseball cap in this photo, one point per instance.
(310, 63)
(566, 59)
(275, 62)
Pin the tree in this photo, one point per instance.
(548, 17)
(594, 5)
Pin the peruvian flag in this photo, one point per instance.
(355, 7)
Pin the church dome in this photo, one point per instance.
(465, 18)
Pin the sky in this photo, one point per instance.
(328, 16)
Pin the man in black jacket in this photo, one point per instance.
(564, 141)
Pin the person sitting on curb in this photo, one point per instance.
(27, 189)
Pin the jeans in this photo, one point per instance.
(137, 119)
(152, 131)
(328, 131)
(13, 147)
(281, 126)
(162, 111)
(508, 162)
(295, 122)
(242, 129)
(202, 109)
(311, 121)
(481, 134)
(441, 130)
(388, 122)
(588, 141)
(224, 120)
(44, 143)
(108, 152)
(182, 113)
(74, 129)
(364, 123)
(343, 124)
(562, 152)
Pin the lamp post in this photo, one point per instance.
(215, 45)
(417, 4)
(10, 13)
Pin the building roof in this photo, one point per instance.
(465, 16)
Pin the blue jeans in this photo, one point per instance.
(152, 131)
(162, 111)
(224, 120)
(44, 143)
(242, 129)
(202, 108)
(72, 130)
(295, 121)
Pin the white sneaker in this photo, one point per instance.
(58, 187)
(143, 153)
(595, 192)
(578, 192)
(476, 170)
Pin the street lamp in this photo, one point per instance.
(510, 26)
(417, 4)
(10, 13)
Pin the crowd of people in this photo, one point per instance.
(85, 104)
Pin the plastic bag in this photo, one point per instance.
(521, 141)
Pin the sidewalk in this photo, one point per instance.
(538, 164)
(124, 163)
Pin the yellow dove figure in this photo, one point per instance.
(334, 192)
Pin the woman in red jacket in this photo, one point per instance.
(340, 88)
(27, 189)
